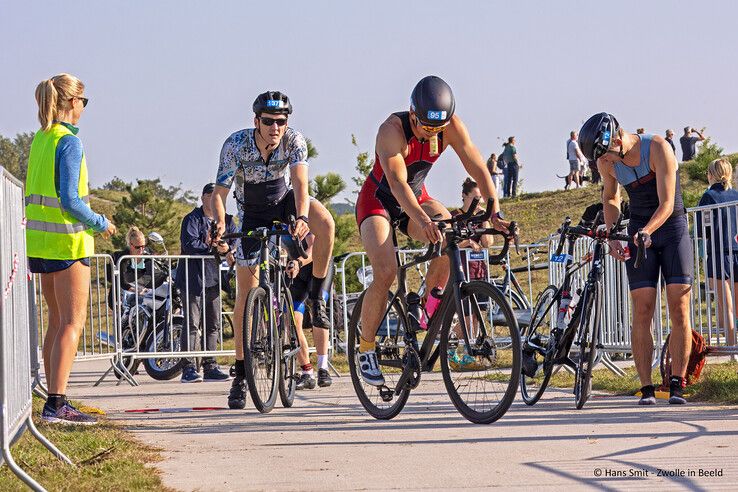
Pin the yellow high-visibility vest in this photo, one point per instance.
(51, 232)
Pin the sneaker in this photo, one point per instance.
(237, 396)
(67, 414)
(676, 391)
(305, 381)
(465, 363)
(324, 378)
(318, 313)
(190, 375)
(214, 373)
(648, 395)
(369, 368)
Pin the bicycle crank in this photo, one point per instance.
(411, 367)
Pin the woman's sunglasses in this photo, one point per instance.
(83, 99)
(270, 121)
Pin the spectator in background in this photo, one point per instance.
(640, 131)
(496, 173)
(670, 139)
(135, 245)
(689, 143)
(512, 168)
(576, 160)
(201, 305)
(720, 243)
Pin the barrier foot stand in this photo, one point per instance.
(333, 368)
(123, 371)
(38, 387)
(18, 471)
(42, 439)
(607, 362)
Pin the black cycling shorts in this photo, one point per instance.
(671, 254)
(255, 216)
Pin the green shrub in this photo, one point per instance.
(709, 151)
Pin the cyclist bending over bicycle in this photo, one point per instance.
(408, 144)
(257, 159)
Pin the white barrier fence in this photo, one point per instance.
(16, 400)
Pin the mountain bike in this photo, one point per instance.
(558, 323)
(270, 343)
(463, 321)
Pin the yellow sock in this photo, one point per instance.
(366, 346)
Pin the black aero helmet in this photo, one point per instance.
(596, 135)
(272, 102)
(432, 101)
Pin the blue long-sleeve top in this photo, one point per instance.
(724, 223)
(67, 164)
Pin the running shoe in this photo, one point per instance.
(213, 373)
(237, 396)
(190, 375)
(305, 381)
(648, 395)
(324, 378)
(676, 391)
(67, 414)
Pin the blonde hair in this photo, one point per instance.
(54, 95)
(133, 232)
(722, 171)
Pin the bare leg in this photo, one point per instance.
(303, 356)
(324, 229)
(439, 268)
(52, 328)
(680, 341)
(376, 236)
(71, 288)
(644, 303)
(725, 316)
(246, 279)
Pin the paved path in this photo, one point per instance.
(327, 441)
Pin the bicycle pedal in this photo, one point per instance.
(385, 393)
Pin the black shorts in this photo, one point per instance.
(671, 254)
(42, 265)
(722, 266)
(255, 216)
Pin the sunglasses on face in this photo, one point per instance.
(142, 246)
(270, 121)
(430, 129)
(83, 99)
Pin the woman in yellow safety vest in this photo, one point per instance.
(59, 233)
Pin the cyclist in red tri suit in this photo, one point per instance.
(408, 144)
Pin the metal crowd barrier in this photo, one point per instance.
(16, 401)
(714, 232)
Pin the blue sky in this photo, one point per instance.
(169, 81)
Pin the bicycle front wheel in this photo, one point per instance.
(481, 383)
(260, 350)
(288, 353)
(535, 372)
(589, 338)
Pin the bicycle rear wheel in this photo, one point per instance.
(536, 344)
(260, 349)
(589, 338)
(387, 404)
(482, 385)
(289, 343)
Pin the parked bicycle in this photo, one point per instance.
(559, 321)
(270, 341)
(483, 394)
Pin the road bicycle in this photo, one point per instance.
(560, 322)
(270, 342)
(462, 319)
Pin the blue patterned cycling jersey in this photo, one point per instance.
(259, 183)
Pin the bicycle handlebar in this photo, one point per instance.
(604, 235)
(263, 234)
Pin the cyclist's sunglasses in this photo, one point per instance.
(270, 121)
(430, 129)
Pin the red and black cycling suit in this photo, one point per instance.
(375, 197)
